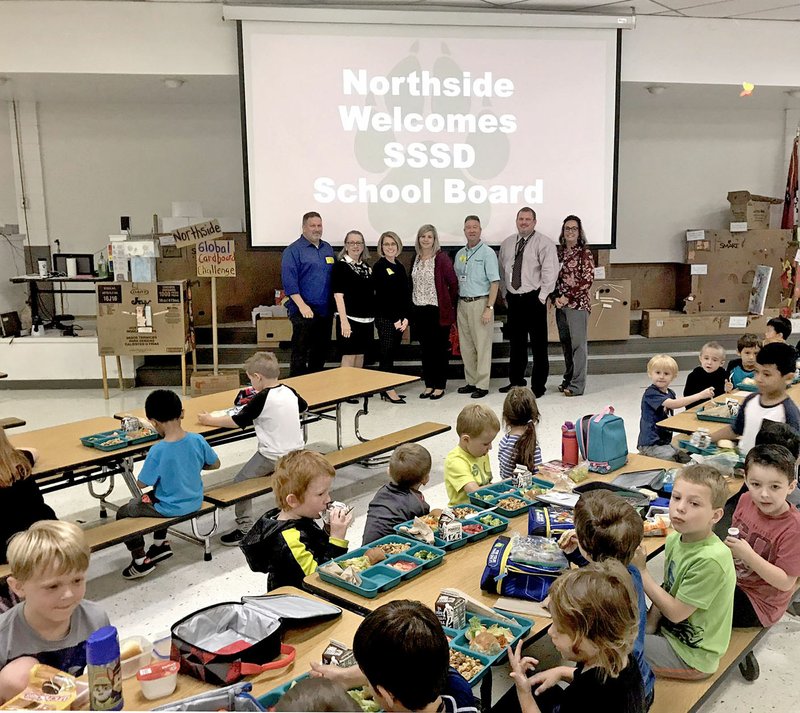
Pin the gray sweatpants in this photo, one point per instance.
(257, 467)
(665, 662)
(572, 326)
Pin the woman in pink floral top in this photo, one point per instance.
(571, 298)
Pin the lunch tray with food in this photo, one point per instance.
(749, 384)
(482, 643)
(114, 440)
(506, 499)
(719, 413)
(687, 446)
(380, 571)
(359, 695)
(472, 530)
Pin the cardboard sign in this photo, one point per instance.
(199, 231)
(141, 318)
(215, 258)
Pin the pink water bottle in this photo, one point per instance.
(569, 444)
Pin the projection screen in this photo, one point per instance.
(391, 126)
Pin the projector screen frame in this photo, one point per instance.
(622, 24)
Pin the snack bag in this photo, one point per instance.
(48, 690)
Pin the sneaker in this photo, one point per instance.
(480, 393)
(466, 389)
(158, 553)
(134, 571)
(232, 539)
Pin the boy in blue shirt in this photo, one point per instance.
(658, 403)
(172, 468)
(607, 527)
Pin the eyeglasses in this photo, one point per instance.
(351, 243)
(571, 230)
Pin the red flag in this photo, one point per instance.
(790, 199)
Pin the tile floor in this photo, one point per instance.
(185, 583)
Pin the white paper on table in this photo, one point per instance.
(699, 269)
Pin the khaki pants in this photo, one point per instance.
(475, 340)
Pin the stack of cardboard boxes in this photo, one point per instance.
(723, 266)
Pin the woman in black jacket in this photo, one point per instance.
(392, 304)
(351, 283)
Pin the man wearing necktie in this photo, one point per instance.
(528, 272)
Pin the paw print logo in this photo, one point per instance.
(490, 150)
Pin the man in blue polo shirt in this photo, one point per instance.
(306, 267)
(478, 281)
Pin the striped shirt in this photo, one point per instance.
(505, 454)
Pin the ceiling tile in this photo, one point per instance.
(729, 8)
(790, 12)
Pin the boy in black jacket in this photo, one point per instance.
(710, 373)
(399, 501)
(286, 543)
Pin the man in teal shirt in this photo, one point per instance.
(478, 282)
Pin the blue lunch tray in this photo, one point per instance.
(382, 576)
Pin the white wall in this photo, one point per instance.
(102, 161)
(677, 164)
(8, 206)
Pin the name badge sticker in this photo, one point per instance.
(389, 271)
(329, 260)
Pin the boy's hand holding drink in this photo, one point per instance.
(339, 518)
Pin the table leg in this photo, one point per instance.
(183, 373)
(126, 471)
(105, 377)
(119, 374)
(339, 425)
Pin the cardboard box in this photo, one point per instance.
(273, 330)
(723, 266)
(143, 318)
(610, 318)
(206, 382)
(755, 210)
(670, 323)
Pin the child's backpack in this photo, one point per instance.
(602, 441)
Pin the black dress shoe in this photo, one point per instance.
(539, 394)
(505, 389)
(468, 389)
(426, 394)
(436, 397)
(398, 400)
(480, 393)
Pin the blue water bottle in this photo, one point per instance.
(103, 668)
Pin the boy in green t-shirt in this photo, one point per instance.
(689, 623)
(466, 467)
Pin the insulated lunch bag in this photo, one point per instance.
(224, 642)
(522, 567)
(602, 441)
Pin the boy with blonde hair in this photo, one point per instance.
(400, 500)
(467, 467)
(607, 527)
(689, 622)
(711, 372)
(286, 542)
(48, 565)
(274, 412)
(658, 403)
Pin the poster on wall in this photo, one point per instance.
(143, 318)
